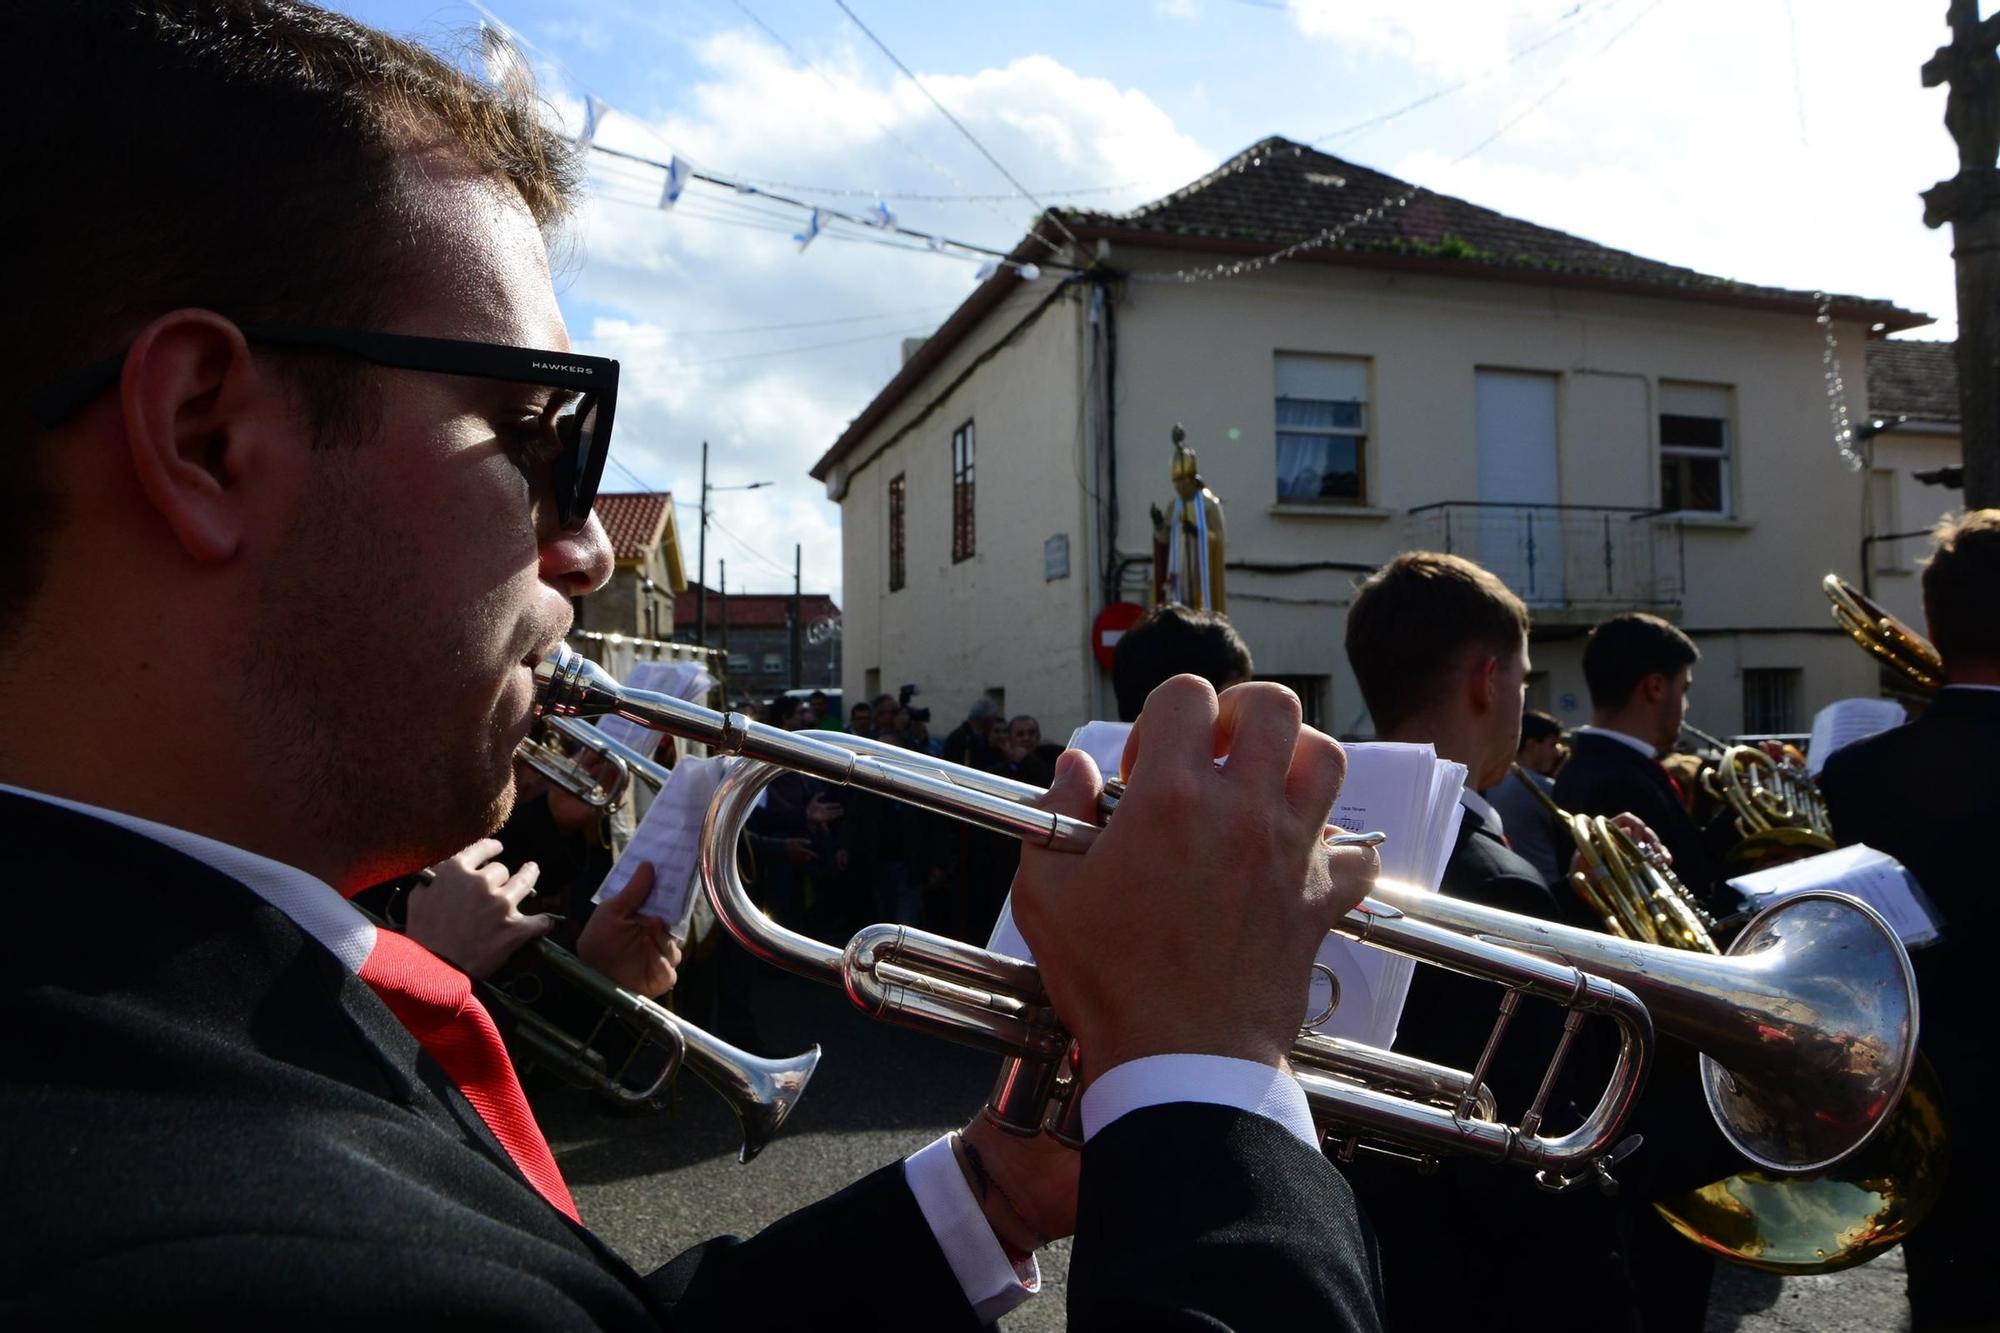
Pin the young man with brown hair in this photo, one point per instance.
(1440, 649)
(1639, 669)
(1928, 793)
(295, 411)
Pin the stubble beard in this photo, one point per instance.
(369, 766)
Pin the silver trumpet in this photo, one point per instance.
(1808, 1029)
(761, 1091)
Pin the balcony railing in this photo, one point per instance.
(1591, 559)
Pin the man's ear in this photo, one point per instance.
(1481, 670)
(1653, 688)
(186, 397)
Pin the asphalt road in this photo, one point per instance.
(653, 1184)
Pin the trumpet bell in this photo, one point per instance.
(1781, 1224)
(762, 1092)
(1834, 967)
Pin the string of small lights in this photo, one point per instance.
(1836, 386)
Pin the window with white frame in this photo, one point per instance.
(774, 663)
(1322, 429)
(1696, 427)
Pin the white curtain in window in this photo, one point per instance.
(1301, 459)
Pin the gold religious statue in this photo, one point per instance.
(1188, 539)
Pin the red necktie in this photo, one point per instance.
(1680, 793)
(434, 1000)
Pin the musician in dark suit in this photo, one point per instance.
(294, 412)
(1440, 649)
(1928, 794)
(1639, 669)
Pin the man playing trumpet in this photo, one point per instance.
(301, 419)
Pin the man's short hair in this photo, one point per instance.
(1172, 640)
(1627, 648)
(1962, 587)
(242, 156)
(1539, 726)
(1413, 621)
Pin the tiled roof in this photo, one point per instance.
(1294, 192)
(752, 610)
(1915, 378)
(636, 521)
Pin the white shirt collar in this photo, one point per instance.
(1643, 747)
(1482, 807)
(312, 904)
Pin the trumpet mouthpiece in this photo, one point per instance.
(568, 684)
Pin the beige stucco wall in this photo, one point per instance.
(1204, 354)
(1908, 505)
(991, 622)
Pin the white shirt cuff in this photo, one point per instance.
(1217, 1080)
(992, 1284)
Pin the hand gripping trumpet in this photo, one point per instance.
(1808, 1029)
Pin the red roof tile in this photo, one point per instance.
(635, 521)
(755, 610)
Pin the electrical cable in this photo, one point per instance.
(959, 125)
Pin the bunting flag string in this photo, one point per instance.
(677, 179)
(503, 52)
(593, 111)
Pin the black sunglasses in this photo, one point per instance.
(584, 429)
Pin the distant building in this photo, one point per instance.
(645, 545)
(1604, 431)
(756, 630)
(1918, 381)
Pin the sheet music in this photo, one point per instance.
(683, 680)
(1845, 721)
(1876, 878)
(1403, 790)
(669, 837)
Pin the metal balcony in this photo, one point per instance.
(1569, 562)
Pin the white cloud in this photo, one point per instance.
(770, 403)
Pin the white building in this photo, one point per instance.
(1604, 431)
(1913, 395)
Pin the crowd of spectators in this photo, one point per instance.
(829, 860)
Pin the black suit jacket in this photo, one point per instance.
(1475, 1236)
(1608, 777)
(1928, 794)
(208, 1116)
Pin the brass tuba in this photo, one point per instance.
(1840, 1216)
(1884, 637)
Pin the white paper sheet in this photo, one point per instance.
(1876, 878)
(669, 837)
(1405, 791)
(1845, 721)
(683, 680)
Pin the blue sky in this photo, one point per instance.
(1778, 141)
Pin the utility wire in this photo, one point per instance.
(1576, 14)
(827, 79)
(741, 188)
(957, 124)
(906, 197)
